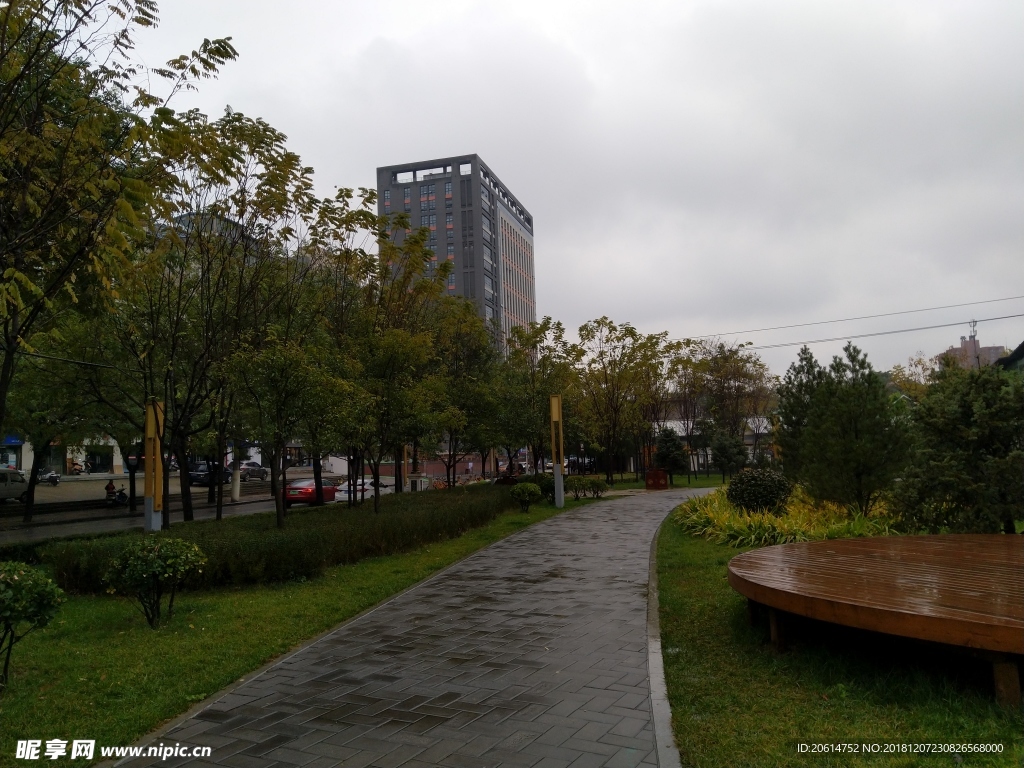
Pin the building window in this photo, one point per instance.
(408, 193)
(451, 282)
(423, 189)
(423, 205)
(424, 221)
(488, 256)
(451, 250)
(430, 189)
(451, 234)
(449, 220)
(407, 206)
(448, 188)
(433, 221)
(433, 204)
(387, 194)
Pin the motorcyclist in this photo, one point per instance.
(110, 489)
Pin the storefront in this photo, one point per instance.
(11, 452)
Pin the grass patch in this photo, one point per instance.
(735, 701)
(700, 481)
(99, 672)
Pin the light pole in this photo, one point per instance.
(556, 448)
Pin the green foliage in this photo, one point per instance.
(252, 550)
(967, 472)
(546, 483)
(670, 453)
(596, 487)
(842, 434)
(28, 600)
(526, 494)
(146, 570)
(759, 490)
(728, 453)
(577, 486)
(715, 518)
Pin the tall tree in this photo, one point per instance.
(967, 474)
(79, 152)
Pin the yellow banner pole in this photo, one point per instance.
(556, 449)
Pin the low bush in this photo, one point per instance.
(147, 570)
(252, 550)
(577, 486)
(715, 518)
(596, 486)
(28, 600)
(759, 490)
(526, 494)
(546, 483)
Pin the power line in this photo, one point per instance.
(862, 317)
(882, 333)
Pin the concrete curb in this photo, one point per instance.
(661, 712)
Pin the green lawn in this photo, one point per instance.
(99, 672)
(737, 702)
(700, 481)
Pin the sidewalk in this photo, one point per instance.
(532, 652)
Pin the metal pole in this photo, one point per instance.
(556, 449)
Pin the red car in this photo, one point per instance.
(304, 492)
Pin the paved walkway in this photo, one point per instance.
(532, 652)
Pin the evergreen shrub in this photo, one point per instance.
(252, 550)
(526, 494)
(28, 600)
(759, 490)
(147, 570)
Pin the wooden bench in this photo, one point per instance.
(965, 590)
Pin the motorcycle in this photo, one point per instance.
(117, 498)
(44, 476)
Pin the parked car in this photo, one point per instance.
(13, 485)
(201, 474)
(360, 487)
(250, 469)
(304, 491)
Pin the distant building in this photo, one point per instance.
(474, 222)
(970, 353)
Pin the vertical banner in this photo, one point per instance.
(154, 466)
(557, 449)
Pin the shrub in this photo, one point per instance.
(252, 550)
(28, 600)
(713, 517)
(526, 494)
(577, 486)
(759, 490)
(152, 567)
(546, 483)
(596, 486)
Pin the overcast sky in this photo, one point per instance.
(695, 167)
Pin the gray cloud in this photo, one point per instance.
(696, 167)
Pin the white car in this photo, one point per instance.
(13, 484)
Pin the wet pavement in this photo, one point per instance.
(532, 652)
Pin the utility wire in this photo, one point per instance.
(862, 317)
(882, 333)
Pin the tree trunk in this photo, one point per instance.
(30, 493)
(221, 450)
(399, 469)
(318, 480)
(132, 471)
(165, 516)
(375, 472)
(275, 484)
(211, 491)
(185, 481)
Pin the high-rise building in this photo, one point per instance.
(474, 222)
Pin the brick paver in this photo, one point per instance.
(532, 652)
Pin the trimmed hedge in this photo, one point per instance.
(252, 550)
(759, 490)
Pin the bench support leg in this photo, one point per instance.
(1007, 682)
(777, 628)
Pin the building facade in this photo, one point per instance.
(476, 223)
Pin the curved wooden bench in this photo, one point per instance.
(964, 589)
